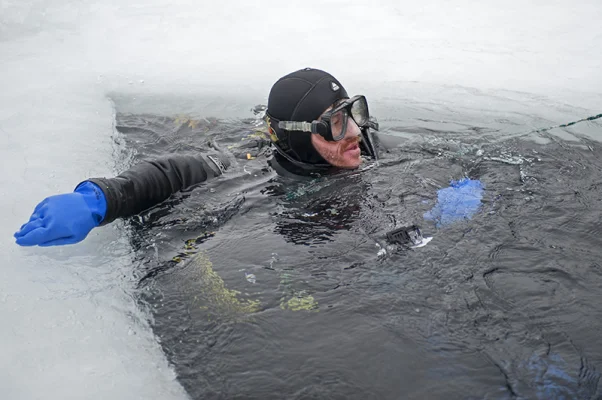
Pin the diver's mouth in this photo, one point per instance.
(353, 148)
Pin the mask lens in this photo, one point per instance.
(359, 111)
(338, 124)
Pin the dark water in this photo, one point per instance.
(260, 286)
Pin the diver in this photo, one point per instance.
(315, 129)
(312, 122)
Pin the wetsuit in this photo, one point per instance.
(151, 182)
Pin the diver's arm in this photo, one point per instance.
(151, 182)
(68, 218)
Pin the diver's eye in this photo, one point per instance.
(336, 120)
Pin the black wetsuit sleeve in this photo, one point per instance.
(151, 182)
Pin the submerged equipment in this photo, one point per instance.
(405, 235)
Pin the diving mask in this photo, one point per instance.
(332, 124)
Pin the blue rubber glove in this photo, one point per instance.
(64, 218)
(461, 200)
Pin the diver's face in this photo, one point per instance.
(345, 153)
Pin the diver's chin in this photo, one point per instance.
(351, 162)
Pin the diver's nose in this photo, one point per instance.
(352, 129)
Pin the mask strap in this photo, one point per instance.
(318, 127)
(370, 143)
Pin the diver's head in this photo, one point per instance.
(313, 122)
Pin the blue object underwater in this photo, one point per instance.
(460, 201)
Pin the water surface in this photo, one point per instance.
(263, 286)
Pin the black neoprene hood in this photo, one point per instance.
(302, 96)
